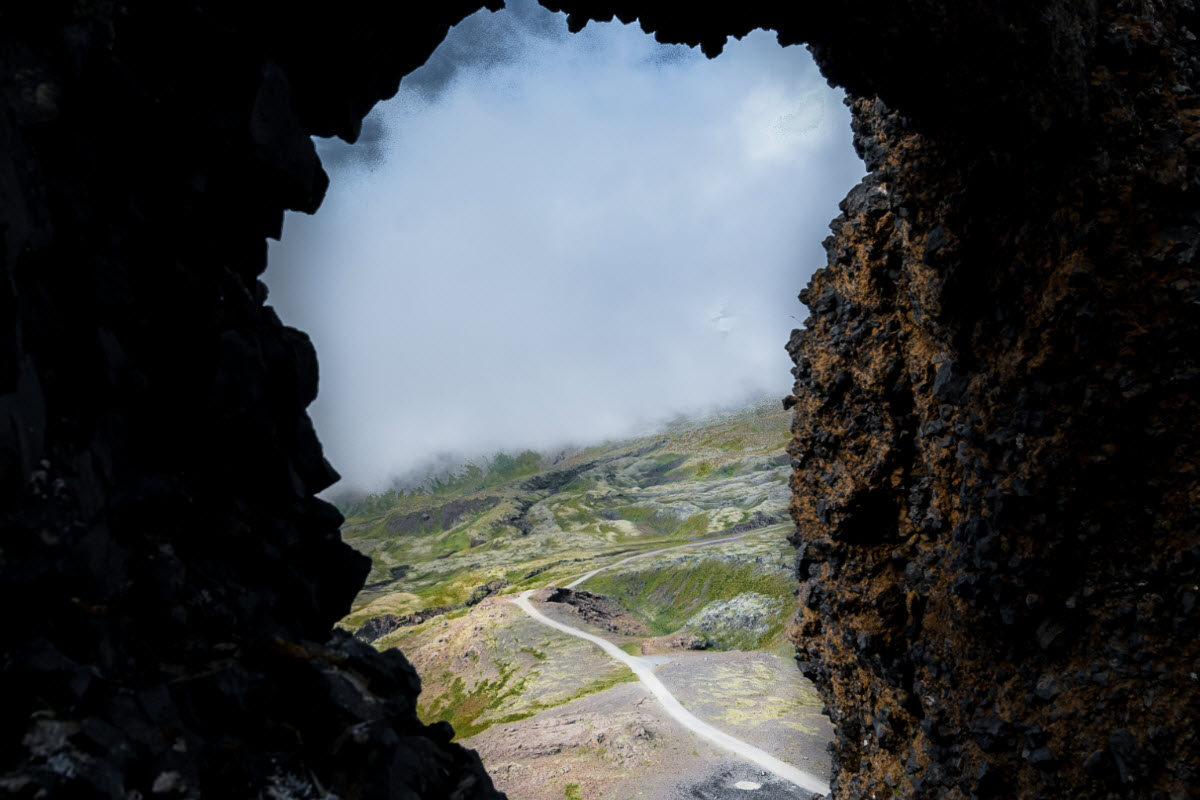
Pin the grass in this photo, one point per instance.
(470, 711)
(718, 442)
(572, 791)
(665, 597)
(617, 676)
(654, 522)
(390, 603)
(571, 514)
(445, 566)
(633, 648)
(438, 486)
(463, 708)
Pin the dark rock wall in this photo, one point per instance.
(996, 434)
(169, 580)
(995, 449)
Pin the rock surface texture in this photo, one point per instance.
(995, 448)
(169, 581)
(997, 428)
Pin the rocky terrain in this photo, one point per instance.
(667, 545)
(491, 531)
(547, 711)
(993, 471)
(619, 744)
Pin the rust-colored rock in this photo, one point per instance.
(995, 449)
(995, 445)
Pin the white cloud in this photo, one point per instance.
(557, 243)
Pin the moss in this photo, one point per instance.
(463, 708)
(515, 717)
(573, 514)
(580, 485)
(653, 522)
(666, 597)
(618, 676)
(694, 526)
(471, 710)
(451, 543)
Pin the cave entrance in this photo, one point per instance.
(549, 240)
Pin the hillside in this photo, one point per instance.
(672, 546)
(525, 522)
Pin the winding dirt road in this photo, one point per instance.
(645, 673)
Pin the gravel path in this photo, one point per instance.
(645, 673)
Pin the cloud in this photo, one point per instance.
(558, 238)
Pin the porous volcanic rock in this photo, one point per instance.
(169, 581)
(996, 435)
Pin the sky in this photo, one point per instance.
(549, 239)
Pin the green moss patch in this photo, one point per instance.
(666, 597)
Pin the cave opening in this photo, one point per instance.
(548, 240)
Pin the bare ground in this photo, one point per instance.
(620, 744)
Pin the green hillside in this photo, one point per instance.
(520, 521)
(444, 554)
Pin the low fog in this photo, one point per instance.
(549, 238)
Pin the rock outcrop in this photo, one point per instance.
(598, 610)
(997, 429)
(443, 517)
(995, 445)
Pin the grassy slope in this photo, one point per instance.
(696, 479)
(492, 665)
(671, 592)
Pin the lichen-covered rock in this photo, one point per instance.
(996, 439)
(378, 627)
(738, 622)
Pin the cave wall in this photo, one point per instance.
(995, 441)
(996, 436)
(169, 580)
(995, 447)
(995, 486)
